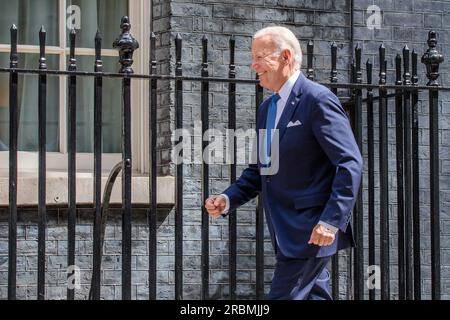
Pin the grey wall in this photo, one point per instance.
(403, 22)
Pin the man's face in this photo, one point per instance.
(267, 62)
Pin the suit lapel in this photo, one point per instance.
(291, 105)
(261, 124)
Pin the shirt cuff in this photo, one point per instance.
(227, 205)
(333, 229)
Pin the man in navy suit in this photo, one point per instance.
(308, 200)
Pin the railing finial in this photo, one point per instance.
(178, 52)
(98, 65)
(414, 78)
(310, 57)
(383, 64)
(358, 56)
(153, 61)
(126, 45)
(333, 73)
(42, 39)
(72, 60)
(432, 59)
(406, 62)
(14, 58)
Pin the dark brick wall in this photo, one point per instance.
(56, 254)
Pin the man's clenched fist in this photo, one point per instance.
(215, 205)
(321, 236)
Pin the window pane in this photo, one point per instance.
(111, 124)
(29, 16)
(28, 104)
(88, 16)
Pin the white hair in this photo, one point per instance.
(283, 38)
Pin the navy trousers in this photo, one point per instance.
(300, 279)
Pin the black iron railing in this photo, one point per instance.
(405, 90)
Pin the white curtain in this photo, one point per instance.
(102, 15)
(29, 15)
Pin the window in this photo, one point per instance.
(58, 17)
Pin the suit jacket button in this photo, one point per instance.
(268, 179)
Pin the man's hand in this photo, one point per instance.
(215, 205)
(321, 236)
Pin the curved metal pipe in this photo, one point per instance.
(105, 208)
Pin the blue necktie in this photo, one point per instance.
(270, 124)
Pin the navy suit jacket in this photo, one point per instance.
(319, 173)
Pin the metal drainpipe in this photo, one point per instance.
(352, 53)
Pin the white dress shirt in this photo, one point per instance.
(284, 94)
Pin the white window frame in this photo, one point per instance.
(139, 13)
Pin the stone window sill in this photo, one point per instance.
(57, 186)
